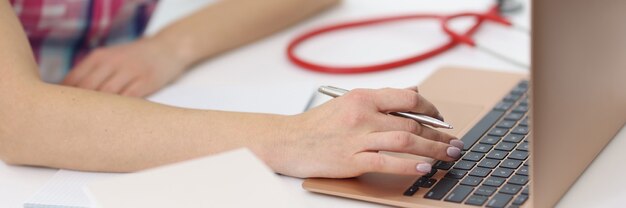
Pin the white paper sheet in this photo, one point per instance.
(274, 98)
(232, 179)
(65, 190)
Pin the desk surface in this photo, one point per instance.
(264, 62)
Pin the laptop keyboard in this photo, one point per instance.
(493, 170)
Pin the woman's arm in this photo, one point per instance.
(144, 66)
(231, 23)
(63, 127)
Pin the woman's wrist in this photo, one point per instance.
(280, 139)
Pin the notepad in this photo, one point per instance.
(66, 190)
(232, 179)
(215, 181)
(271, 98)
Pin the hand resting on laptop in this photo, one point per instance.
(342, 137)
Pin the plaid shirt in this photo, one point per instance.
(62, 32)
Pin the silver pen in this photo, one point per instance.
(423, 119)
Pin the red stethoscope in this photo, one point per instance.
(492, 15)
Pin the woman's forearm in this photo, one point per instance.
(63, 127)
(228, 24)
(71, 128)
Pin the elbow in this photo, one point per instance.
(4, 129)
(7, 141)
(6, 155)
(13, 129)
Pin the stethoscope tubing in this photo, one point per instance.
(455, 39)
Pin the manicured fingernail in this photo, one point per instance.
(457, 143)
(424, 167)
(454, 152)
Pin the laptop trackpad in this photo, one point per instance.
(460, 115)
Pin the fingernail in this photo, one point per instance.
(457, 143)
(454, 152)
(424, 167)
(440, 117)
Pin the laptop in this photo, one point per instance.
(528, 137)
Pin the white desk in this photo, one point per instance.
(264, 62)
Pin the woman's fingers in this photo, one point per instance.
(84, 68)
(378, 162)
(95, 78)
(397, 100)
(134, 89)
(116, 82)
(395, 123)
(405, 142)
(435, 114)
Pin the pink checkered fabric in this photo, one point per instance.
(62, 32)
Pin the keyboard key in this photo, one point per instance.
(411, 191)
(510, 189)
(506, 124)
(518, 180)
(515, 138)
(524, 121)
(482, 148)
(442, 165)
(491, 140)
(431, 173)
(441, 188)
(519, 155)
(456, 174)
(521, 109)
(523, 130)
(471, 181)
(523, 146)
(512, 97)
(519, 90)
(420, 181)
(459, 193)
(429, 183)
(519, 200)
(524, 101)
(503, 105)
(488, 163)
(496, 154)
(476, 200)
(503, 172)
(480, 128)
(522, 171)
(510, 163)
(505, 146)
(526, 190)
(499, 200)
(499, 132)
(523, 84)
(464, 165)
(473, 156)
(494, 181)
(513, 116)
(485, 190)
(480, 172)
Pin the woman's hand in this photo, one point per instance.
(135, 69)
(343, 137)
